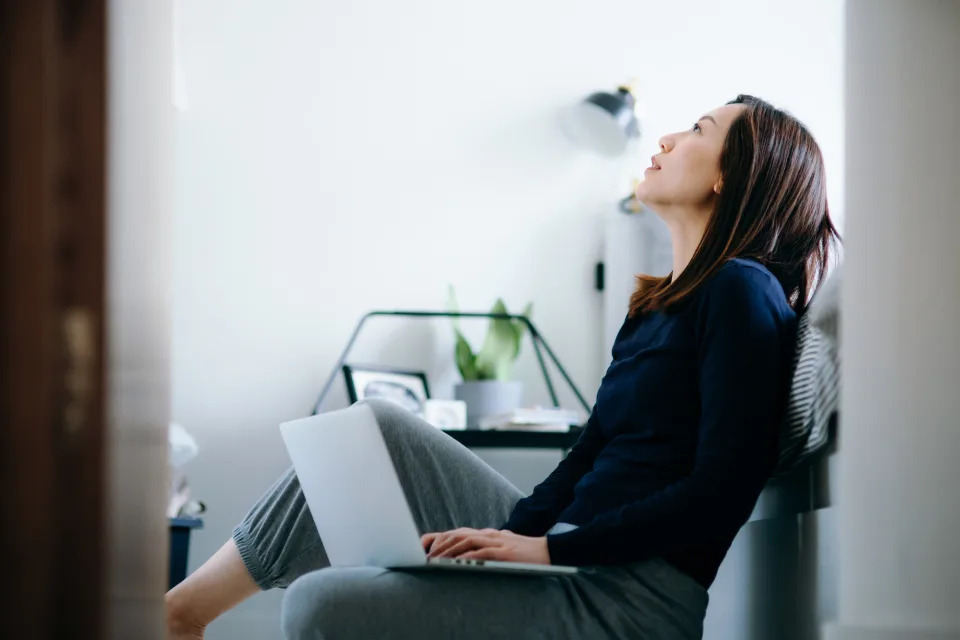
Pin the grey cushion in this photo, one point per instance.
(815, 385)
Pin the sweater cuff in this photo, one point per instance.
(566, 549)
(519, 527)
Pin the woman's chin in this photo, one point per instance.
(645, 197)
(651, 204)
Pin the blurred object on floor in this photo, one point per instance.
(182, 449)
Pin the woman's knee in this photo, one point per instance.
(301, 609)
(394, 420)
(310, 608)
(327, 604)
(386, 411)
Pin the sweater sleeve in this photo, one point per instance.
(740, 336)
(535, 514)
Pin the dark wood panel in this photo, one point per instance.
(52, 280)
(26, 325)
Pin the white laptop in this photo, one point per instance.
(356, 499)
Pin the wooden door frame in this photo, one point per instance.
(52, 314)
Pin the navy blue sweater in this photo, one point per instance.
(683, 434)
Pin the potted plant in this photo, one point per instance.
(487, 387)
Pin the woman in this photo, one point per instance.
(679, 444)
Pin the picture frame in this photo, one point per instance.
(408, 389)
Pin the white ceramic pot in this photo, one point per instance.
(488, 397)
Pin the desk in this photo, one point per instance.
(524, 458)
(494, 438)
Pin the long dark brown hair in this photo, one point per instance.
(772, 207)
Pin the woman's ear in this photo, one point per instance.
(718, 186)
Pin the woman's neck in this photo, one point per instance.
(686, 231)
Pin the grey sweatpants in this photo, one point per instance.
(447, 486)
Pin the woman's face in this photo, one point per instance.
(686, 172)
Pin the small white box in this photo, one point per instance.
(446, 414)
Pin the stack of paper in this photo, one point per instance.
(533, 419)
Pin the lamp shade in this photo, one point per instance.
(604, 121)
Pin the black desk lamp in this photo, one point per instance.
(605, 121)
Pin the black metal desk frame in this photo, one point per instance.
(484, 438)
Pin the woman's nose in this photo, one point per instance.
(666, 143)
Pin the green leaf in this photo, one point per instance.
(463, 353)
(466, 361)
(500, 348)
(486, 372)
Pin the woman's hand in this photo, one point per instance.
(486, 544)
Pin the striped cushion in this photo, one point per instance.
(814, 396)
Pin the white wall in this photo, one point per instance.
(342, 156)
